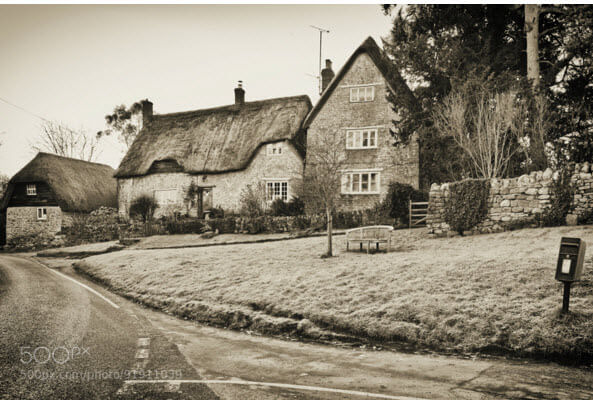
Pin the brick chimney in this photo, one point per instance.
(327, 74)
(239, 94)
(142, 113)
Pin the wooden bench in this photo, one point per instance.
(370, 235)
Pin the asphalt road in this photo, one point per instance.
(62, 340)
(58, 340)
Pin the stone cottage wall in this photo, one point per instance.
(226, 187)
(517, 199)
(22, 221)
(338, 114)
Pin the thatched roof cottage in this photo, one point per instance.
(220, 150)
(354, 105)
(43, 195)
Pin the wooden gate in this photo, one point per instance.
(418, 210)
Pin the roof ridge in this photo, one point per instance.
(232, 106)
(44, 153)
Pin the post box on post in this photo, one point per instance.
(570, 265)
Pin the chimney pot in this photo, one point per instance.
(327, 74)
(239, 94)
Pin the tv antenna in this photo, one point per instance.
(321, 32)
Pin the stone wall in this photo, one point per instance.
(22, 221)
(338, 114)
(517, 199)
(226, 187)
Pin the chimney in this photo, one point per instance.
(239, 94)
(146, 111)
(327, 74)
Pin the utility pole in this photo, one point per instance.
(321, 32)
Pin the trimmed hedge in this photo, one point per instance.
(396, 203)
(467, 204)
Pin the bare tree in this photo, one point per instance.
(59, 139)
(488, 131)
(3, 184)
(322, 178)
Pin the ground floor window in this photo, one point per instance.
(277, 190)
(41, 213)
(363, 182)
(165, 197)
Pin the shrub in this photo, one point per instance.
(396, 203)
(561, 197)
(216, 212)
(143, 206)
(467, 204)
(175, 226)
(293, 207)
(586, 218)
(253, 201)
(224, 225)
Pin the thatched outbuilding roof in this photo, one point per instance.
(215, 140)
(394, 80)
(79, 186)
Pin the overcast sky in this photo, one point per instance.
(73, 64)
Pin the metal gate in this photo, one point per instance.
(418, 210)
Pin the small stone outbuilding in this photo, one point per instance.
(44, 195)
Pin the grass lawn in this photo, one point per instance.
(484, 293)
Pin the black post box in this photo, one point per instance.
(570, 259)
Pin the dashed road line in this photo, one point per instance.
(169, 386)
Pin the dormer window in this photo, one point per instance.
(275, 149)
(31, 190)
(362, 93)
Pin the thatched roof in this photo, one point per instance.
(215, 140)
(79, 186)
(392, 76)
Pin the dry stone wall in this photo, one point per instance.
(517, 199)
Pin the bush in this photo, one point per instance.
(143, 206)
(253, 201)
(467, 204)
(174, 226)
(291, 208)
(216, 212)
(396, 203)
(561, 197)
(224, 225)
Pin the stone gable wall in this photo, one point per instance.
(226, 187)
(338, 113)
(22, 221)
(516, 199)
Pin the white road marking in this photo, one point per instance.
(142, 353)
(112, 304)
(174, 383)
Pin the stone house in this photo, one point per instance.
(42, 197)
(354, 109)
(220, 150)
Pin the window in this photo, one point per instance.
(277, 190)
(362, 93)
(42, 213)
(275, 149)
(165, 197)
(31, 190)
(361, 183)
(361, 139)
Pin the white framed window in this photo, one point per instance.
(362, 93)
(275, 149)
(165, 197)
(41, 213)
(31, 189)
(277, 190)
(363, 182)
(361, 139)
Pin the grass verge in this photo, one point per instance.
(489, 294)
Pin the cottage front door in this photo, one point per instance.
(204, 200)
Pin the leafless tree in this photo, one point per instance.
(323, 177)
(3, 184)
(488, 131)
(59, 139)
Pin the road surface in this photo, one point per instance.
(63, 337)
